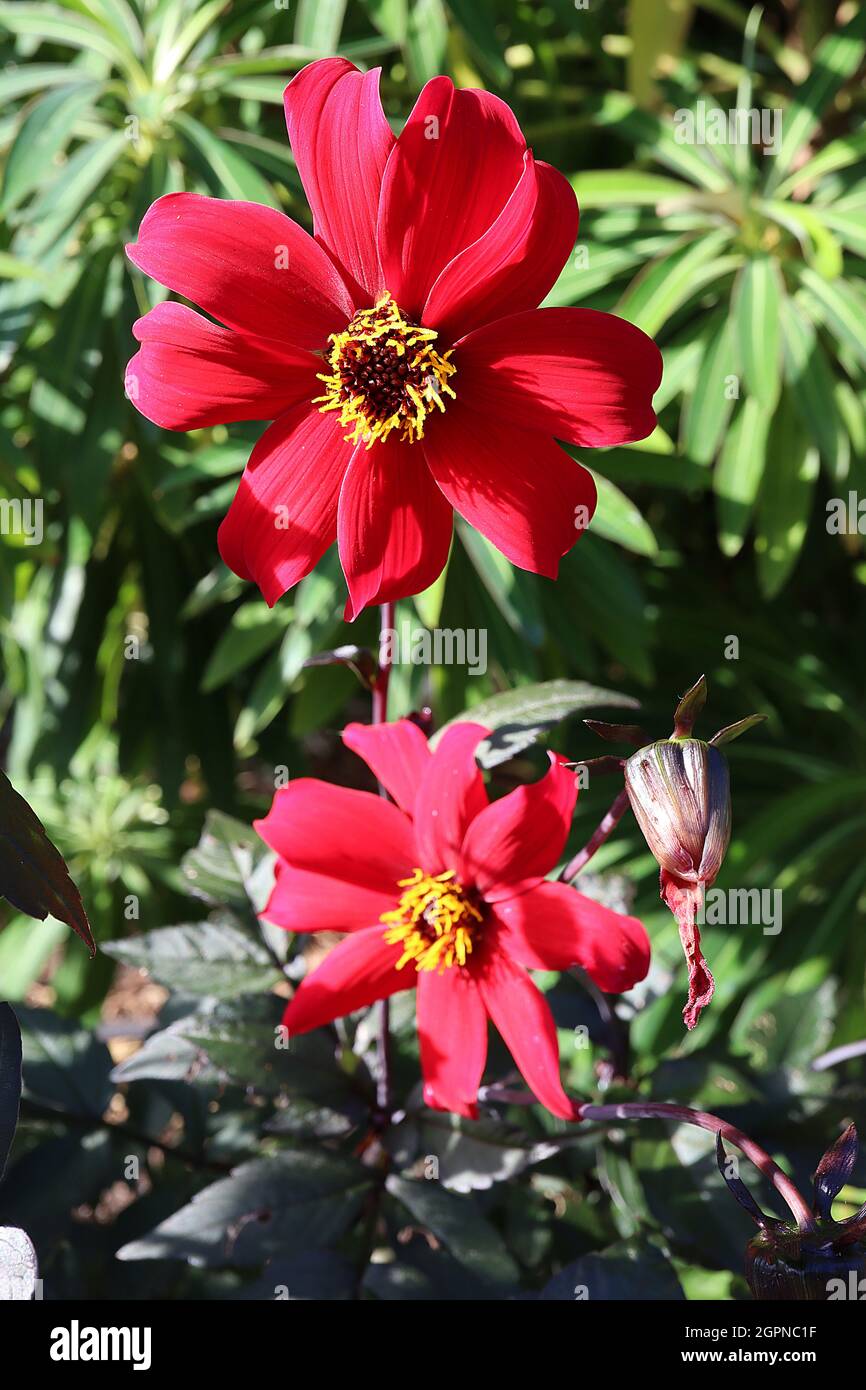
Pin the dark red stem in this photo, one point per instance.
(597, 839)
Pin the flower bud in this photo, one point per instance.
(783, 1265)
(679, 790)
(820, 1260)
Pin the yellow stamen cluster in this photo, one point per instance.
(385, 375)
(434, 922)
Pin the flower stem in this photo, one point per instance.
(683, 1115)
(597, 839)
(380, 716)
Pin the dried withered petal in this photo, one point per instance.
(834, 1171)
(683, 899)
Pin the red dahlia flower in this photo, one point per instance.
(443, 891)
(399, 352)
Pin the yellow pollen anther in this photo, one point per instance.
(385, 375)
(434, 922)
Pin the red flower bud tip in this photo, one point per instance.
(679, 790)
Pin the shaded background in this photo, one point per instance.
(143, 685)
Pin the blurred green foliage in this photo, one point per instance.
(142, 683)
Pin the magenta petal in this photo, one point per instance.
(352, 836)
(581, 375)
(284, 515)
(452, 1031)
(518, 488)
(309, 902)
(449, 798)
(521, 1014)
(516, 261)
(393, 525)
(450, 174)
(249, 266)
(341, 142)
(515, 841)
(396, 753)
(356, 973)
(189, 373)
(553, 927)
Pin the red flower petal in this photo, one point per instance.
(515, 262)
(523, 1017)
(190, 373)
(517, 487)
(356, 973)
(684, 899)
(515, 841)
(553, 926)
(449, 798)
(341, 142)
(284, 515)
(351, 836)
(249, 266)
(397, 754)
(304, 901)
(584, 376)
(449, 176)
(393, 525)
(452, 1031)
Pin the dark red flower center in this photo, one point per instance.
(437, 921)
(385, 375)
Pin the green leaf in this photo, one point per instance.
(757, 301)
(215, 958)
(812, 230)
(471, 1156)
(618, 519)
(168, 56)
(10, 1080)
(64, 1066)
(623, 1273)
(517, 718)
(512, 590)
(837, 58)
(457, 1223)
(36, 77)
(839, 154)
(840, 306)
(220, 866)
(235, 174)
(426, 39)
(299, 1201)
(478, 20)
(738, 473)
(50, 24)
(615, 188)
(710, 405)
(673, 280)
(785, 500)
(62, 199)
(319, 23)
(253, 630)
(44, 132)
(33, 874)
(810, 378)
